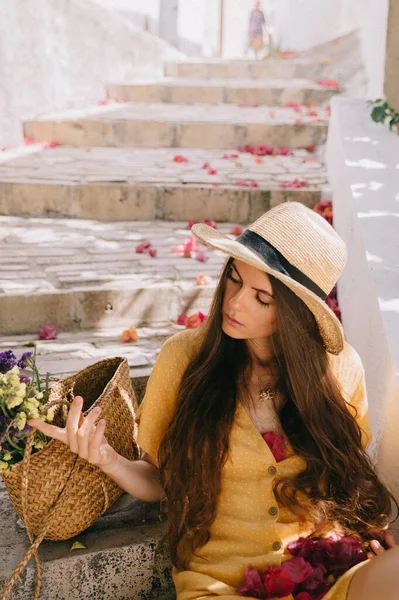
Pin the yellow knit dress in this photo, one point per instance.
(250, 529)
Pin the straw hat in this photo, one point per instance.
(298, 247)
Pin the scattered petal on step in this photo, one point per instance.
(181, 319)
(294, 184)
(236, 230)
(129, 335)
(324, 60)
(194, 321)
(203, 279)
(259, 160)
(52, 144)
(328, 83)
(143, 247)
(200, 256)
(48, 332)
(78, 546)
(272, 114)
(179, 158)
(206, 165)
(152, 252)
(212, 172)
(310, 148)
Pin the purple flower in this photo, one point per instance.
(22, 361)
(8, 360)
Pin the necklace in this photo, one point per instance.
(265, 395)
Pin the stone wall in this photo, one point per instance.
(57, 54)
(362, 162)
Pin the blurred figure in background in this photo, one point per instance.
(257, 31)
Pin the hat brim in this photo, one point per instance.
(329, 326)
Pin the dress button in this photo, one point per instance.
(276, 546)
(272, 510)
(272, 470)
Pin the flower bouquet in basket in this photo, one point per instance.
(56, 493)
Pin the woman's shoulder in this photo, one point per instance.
(347, 367)
(183, 342)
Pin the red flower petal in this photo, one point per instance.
(212, 171)
(143, 247)
(252, 585)
(180, 159)
(206, 165)
(181, 319)
(152, 252)
(298, 568)
(236, 230)
(278, 582)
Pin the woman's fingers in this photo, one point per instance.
(376, 548)
(97, 440)
(72, 425)
(86, 431)
(58, 433)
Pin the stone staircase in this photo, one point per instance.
(137, 167)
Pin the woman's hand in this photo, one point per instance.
(376, 545)
(82, 435)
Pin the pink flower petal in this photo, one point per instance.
(152, 252)
(236, 230)
(212, 171)
(48, 332)
(200, 256)
(206, 165)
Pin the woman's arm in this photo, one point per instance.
(139, 478)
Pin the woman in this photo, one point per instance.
(270, 363)
(257, 24)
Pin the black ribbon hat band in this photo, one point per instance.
(275, 260)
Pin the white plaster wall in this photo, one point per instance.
(363, 164)
(58, 54)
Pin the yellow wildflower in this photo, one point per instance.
(50, 414)
(4, 466)
(38, 444)
(7, 455)
(20, 421)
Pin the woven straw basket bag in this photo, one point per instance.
(56, 493)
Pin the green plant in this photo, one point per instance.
(382, 112)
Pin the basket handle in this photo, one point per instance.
(35, 542)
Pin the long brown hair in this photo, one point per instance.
(338, 485)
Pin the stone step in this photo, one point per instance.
(181, 125)
(140, 183)
(82, 275)
(118, 563)
(262, 69)
(223, 91)
(76, 350)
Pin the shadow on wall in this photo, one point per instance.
(56, 54)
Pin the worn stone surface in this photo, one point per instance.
(180, 125)
(226, 91)
(120, 560)
(263, 69)
(140, 184)
(86, 274)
